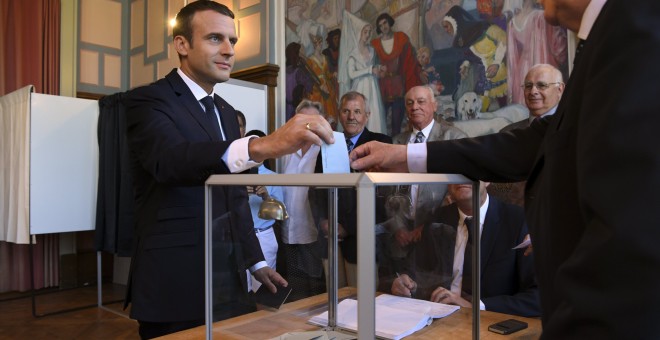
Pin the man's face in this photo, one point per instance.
(210, 57)
(540, 101)
(567, 13)
(384, 27)
(353, 116)
(420, 106)
(462, 193)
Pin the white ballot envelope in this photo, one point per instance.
(335, 156)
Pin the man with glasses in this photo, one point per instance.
(542, 88)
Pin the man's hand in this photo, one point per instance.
(270, 278)
(261, 191)
(447, 297)
(403, 285)
(300, 131)
(324, 226)
(403, 237)
(377, 156)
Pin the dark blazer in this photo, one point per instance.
(173, 152)
(593, 173)
(347, 201)
(508, 284)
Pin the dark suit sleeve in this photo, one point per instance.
(500, 157)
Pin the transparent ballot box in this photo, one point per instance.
(343, 240)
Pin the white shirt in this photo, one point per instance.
(237, 157)
(461, 242)
(299, 228)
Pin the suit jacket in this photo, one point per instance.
(347, 201)
(592, 173)
(430, 196)
(508, 284)
(174, 150)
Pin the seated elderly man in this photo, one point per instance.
(439, 266)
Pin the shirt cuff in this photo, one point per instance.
(481, 305)
(260, 265)
(237, 156)
(417, 157)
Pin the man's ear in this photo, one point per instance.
(181, 45)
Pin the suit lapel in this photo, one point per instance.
(228, 119)
(189, 102)
(489, 232)
(364, 137)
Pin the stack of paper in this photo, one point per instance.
(396, 317)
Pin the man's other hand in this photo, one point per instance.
(380, 157)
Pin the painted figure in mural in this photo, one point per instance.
(331, 54)
(485, 48)
(323, 90)
(399, 70)
(358, 71)
(531, 41)
(298, 79)
(491, 11)
(299, 26)
(434, 13)
(430, 74)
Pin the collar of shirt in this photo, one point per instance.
(426, 131)
(355, 138)
(589, 18)
(549, 113)
(196, 90)
(482, 214)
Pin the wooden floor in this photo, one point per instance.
(18, 322)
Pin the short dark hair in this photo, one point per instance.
(385, 16)
(183, 25)
(257, 133)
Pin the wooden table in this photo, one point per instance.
(292, 317)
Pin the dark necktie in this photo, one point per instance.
(209, 107)
(419, 137)
(349, 145)
(467, 259)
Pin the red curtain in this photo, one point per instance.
(30, 54)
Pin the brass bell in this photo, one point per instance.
(272, 209)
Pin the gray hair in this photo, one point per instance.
(306, 103)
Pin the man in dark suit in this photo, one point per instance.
(438, 267)
(176, 141)
(594, 229)
(543, 87)
(353, 117)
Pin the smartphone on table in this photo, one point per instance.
(507, 326)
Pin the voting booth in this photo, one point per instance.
(50, 164)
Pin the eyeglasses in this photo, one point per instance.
(541, 86)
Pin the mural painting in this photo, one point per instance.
(474, 54)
